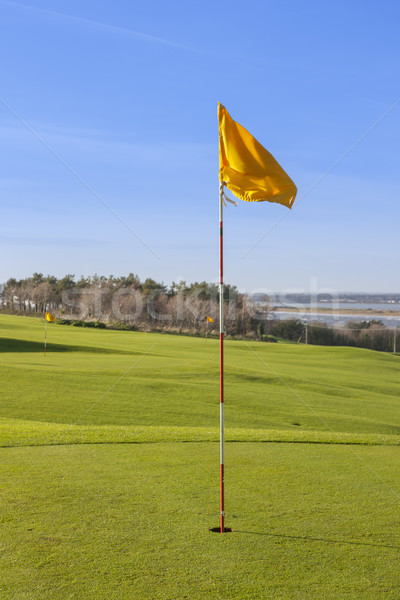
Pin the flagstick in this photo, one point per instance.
(221, 350)
(45, 336)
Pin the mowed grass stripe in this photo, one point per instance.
(17, 433)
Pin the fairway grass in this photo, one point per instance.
(110, 466)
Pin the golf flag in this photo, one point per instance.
(252, 174)
(247, 168)
(210, 320)
(49, 317)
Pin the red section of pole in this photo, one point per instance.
(222, 501)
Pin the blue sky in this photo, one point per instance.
(108, 117)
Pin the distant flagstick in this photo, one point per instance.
(48, 317)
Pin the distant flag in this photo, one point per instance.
(48, 318)
(210, 320)
(248, 170)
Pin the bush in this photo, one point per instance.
(122, 326)
(81, 323)
(270, 338)
(289, 329)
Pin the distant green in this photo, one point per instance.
(110, 468)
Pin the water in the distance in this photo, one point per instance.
(336, 317)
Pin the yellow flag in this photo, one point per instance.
(247, 168)
(49, 317)
(210, 320)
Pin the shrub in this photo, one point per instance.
(289, 329)
(78, 323)
(122, 326)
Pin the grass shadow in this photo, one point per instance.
(15, 345)
(307, 538)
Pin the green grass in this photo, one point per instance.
(110, 468)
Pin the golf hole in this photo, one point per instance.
(218, 529)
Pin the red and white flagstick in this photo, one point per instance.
(221, 350)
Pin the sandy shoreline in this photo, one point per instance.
(340, 311)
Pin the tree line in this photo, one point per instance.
(128, 302)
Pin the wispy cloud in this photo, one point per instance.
(240, 58)
(113, 29)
